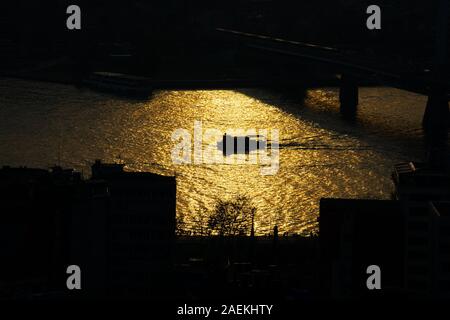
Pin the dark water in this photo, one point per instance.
(320, 155)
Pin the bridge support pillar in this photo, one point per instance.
(436, 114)
(436, 118)
(348, 96)
(435, 124)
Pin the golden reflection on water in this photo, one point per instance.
(319, 155)
(314, 162)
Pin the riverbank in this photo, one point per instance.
(171, 76)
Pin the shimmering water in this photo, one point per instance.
(321, 155)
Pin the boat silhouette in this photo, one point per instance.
(241, 144)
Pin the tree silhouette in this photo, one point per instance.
(232, 217)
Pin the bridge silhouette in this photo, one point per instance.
(351, 68)
(346, 62)
(354, 67)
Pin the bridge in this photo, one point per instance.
(355, 68)
(352, 67)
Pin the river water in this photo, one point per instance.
(321, 155)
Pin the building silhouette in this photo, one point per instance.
(407, 237)
(140, 229)
(118, 227)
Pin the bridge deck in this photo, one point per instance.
(391, 73)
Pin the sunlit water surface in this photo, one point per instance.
(321, 155)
